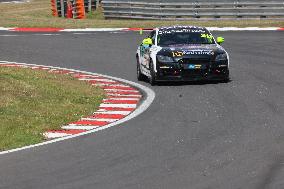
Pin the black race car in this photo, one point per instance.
(182, 53)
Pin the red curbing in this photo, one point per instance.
(107, 116)
(121, 100)
(70, 131)
(280, 29)
(138, 29)
(118, 87)
(86, 122)
(106, 109)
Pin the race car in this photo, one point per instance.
(182, 53)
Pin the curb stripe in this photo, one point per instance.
(70, 131)
(124, 95)
(80, 127)
(102, 82)
(119, 105)
(116, 92)
(101, 120)
(107, 116)
(119, 98)
(110, 101)
(51, 135)
(118, 88)
(115, 109)
(88, 122)
(115, 112)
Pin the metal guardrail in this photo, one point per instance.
(193, 9)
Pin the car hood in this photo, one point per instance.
(191, 50)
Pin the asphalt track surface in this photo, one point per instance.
(194, 135)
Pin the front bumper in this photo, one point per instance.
(181, 72)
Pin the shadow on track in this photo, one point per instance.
(183, 83)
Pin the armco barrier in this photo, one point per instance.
(193, 9)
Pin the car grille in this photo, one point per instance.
(194, 61)
(200, 71)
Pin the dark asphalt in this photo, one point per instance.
(197, 136)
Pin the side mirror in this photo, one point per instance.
(220, 40)
(147, 41)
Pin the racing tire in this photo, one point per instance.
(140, 76)
(152, 78)
(227, 78)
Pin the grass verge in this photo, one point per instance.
(38, 14)
(33, 101)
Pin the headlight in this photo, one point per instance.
(221, 57)
(162, 58)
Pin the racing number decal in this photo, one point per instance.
(177, 54)
(208, 36)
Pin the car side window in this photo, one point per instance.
(151, 34)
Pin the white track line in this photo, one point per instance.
(149, 98)
(81, 127)
(118, 105)
(112, 112)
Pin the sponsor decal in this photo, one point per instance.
(193, 66)
(184, 30)
(192, 52)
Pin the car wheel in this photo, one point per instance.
(227, 77)
(139, 73)
(152, 78)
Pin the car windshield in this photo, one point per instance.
(167, 39)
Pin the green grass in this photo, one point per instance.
(33, 101)
(38, 14)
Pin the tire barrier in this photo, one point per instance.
(79, 9)
(72, 8)
(193, 9)
(53, 8)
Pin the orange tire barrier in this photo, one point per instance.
(69, 11)
(54, 8)
(79, 9)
